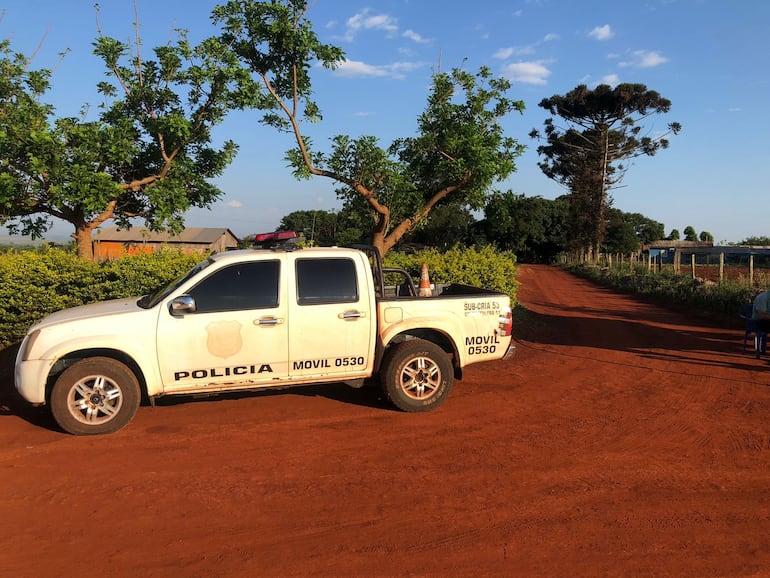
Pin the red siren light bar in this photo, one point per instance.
(275, 237)
(287, 240)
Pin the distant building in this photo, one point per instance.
(112, 242)
(665, 249)
(706, 252)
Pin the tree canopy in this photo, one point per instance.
(459, 149)
(603, 131)
(148, 155)
(532, 227)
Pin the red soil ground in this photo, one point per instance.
(621, 439)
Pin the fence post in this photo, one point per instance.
(751, 269)
(721, 266)
(692, 265)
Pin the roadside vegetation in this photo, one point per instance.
(37, 282)
(717, 301)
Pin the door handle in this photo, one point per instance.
(352, 314)
(268, 321)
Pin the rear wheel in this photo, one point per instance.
(96, 395)
(417, 375)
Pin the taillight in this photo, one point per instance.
(505, 322)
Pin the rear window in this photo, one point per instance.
(326, 281)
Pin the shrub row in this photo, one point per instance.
(482, 267)
(36, 283)
(720, 300)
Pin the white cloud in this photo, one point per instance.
(611, 79)
(644, 59)
(412, 35)
(364, 21)
(509, 51)
(356, 68)
(235, 204)
(602, 32)
(527, 72)
(506, 53)
(651, 59)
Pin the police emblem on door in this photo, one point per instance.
(224, 338)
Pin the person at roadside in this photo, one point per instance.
(761, 311)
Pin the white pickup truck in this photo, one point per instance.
(254, 319)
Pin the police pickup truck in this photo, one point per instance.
(260, 318)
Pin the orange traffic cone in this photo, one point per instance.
(425, 290)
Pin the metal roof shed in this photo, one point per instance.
(112, 242)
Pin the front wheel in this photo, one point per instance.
(96, 395)
(416, 375)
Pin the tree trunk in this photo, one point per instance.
(83, 241)
(378, 241)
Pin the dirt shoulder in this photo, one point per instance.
(621, 439)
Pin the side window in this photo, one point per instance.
(326, 281)
(242, 286)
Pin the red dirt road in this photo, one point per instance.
(621, 439)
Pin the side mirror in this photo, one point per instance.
(183, 304)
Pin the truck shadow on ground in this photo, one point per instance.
(367, 396)
(667, 338)
(12, 404)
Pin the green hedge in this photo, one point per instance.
(34, 284)
(680, 291)
(482, 267)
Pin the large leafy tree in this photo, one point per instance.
(25, 133)
(445, 227)
(148, 155)
(458, 151)
(589, 155)
(621, 236)
(761, 241)
(647, 230)
(317, 226)
(325, 228)
(532, 227)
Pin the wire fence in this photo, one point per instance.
(715, 265)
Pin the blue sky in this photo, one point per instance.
(709, 57)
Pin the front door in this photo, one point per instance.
(237, 335)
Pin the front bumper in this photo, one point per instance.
(30, 378)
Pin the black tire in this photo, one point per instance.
(416, 375)
(97, 395)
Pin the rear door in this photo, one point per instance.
(332, 323)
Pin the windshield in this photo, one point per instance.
(152, 299)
